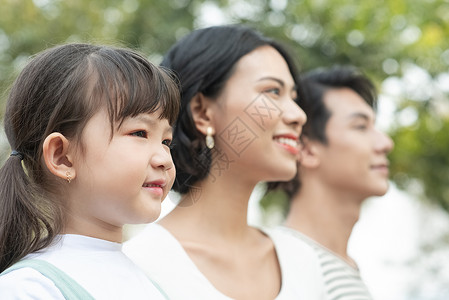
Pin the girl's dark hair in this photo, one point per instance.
(59, 91)
(316, 83)
(204, 60)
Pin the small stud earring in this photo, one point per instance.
(69, 177)
(210, 143)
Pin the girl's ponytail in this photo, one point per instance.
(24, 223)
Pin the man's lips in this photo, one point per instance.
(384, 168)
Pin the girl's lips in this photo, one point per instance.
(159, 182)
(155, 187)
(156, 190)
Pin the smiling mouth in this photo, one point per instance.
(287, 141)
(289, 144)
(381, 168)
(155, 188)
(151, 185)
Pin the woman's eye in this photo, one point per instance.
(168, 143)
(140, 133)
(275, 91)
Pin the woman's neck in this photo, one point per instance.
(216, 208)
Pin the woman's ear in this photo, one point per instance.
(309, 152)
(201, 108)
(57, 157)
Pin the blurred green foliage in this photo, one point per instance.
(382, 37)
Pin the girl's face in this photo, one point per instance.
(257, 123)
(122, 180)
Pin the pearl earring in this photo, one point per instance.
(210, 143)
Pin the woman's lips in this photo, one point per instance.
(288, 142)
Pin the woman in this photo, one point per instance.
(238, 125)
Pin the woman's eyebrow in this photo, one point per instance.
(295, 86)
(274, 79)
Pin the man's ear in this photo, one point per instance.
(201, 108)
(57, 157)
(309, 151)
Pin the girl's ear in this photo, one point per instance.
(201, 108)
(57, 157)
(309, 153)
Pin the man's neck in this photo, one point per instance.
(326, 217)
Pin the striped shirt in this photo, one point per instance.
(341, 280)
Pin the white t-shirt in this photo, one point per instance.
(99, 266)
(164, 259)
(342, 281)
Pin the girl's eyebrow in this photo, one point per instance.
(153, 122)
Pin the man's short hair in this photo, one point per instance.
(319, 81)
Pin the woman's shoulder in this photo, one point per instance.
(153, 237)
(162, 257)
(153, 247)
(27, 283)
(299, 263)
(286, 239)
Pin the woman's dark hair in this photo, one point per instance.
(316, 83)
(204, 60)
(59, 91)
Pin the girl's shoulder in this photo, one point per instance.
(27, 283)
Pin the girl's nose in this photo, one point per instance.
(162, 159)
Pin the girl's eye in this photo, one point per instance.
(140, 133)
(167, 143)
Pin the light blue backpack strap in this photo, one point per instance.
(69, 288)
(158, 287)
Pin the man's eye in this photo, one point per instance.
(361, 127)
(140, 133)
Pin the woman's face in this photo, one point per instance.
(256, 121)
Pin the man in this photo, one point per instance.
(343, 162)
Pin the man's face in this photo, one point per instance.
(355, 158)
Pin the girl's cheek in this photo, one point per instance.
(172, 173)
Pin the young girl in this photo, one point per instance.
(90, 131)
(238, 125)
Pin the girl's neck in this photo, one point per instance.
(101, 231)
(214, 209)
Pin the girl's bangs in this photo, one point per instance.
(132, 86)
